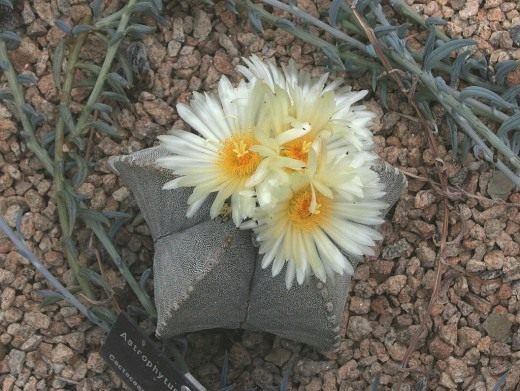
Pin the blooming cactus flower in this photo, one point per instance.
(219, 159)
(293, 155)
(329, 211)
(328, 109)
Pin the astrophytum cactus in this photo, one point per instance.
(208, 274)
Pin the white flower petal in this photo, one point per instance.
(194, 207)
(289, 275)
(310, 195)
(293, 134)
(195, 122)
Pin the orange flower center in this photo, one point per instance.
(236, 158)
(299, 210)
(298, 149)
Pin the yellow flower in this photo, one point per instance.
(298, 111)
(297, 97)
(328, 212)
(220, 158)
(293, 155)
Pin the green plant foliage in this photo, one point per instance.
(67, 166)
(484, 97)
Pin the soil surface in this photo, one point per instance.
(473, 337)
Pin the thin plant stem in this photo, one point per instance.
(354, 43)
(441, 173)
(450, 103)
(318, 23)
(108, 20)
(105, 69)
(360, 61)
(403, 8)
(406, 60)
(141, 294)
(43, 156)
(98, 230)
(454, 105)
(487, 152)
(469, 78)
(19, 100)
(349, 26)
(68, 245)
(302, 34)
(24, 251)
(481, 108)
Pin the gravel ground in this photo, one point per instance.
(474, 335)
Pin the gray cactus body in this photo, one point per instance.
(207, 273)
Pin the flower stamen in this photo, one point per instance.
(298, 149)
(302, 215)
(240, 148)
(236, 158)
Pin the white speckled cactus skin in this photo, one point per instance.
(207, 273)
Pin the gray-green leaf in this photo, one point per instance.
(231, 6)
(93, 68)
(255, 21)
(483, 93)
(115, 96)
(6, 3)
(334, 8)
(140, 29)
(95, 5)
(507, 126)
(5, 94)
(501, 381)
(27, 79)
(453, 133)
(504, 68)
(93, 216)
(285, 24)
(117, 79)
(435, 21)
(158, 4)
(103, 314)
(144, 278)
(96, 279)
(4, 65)
(104, 108)
(106, 128)
(81, 28)
(115, 38)
(332, 54)
(63, 26)
(57, 61)
(383, 30)
(444, 51)
(11, 39)
(66, 116)
(71, 205)
(142, 7)
(81, 169)
(456, 68)
(511, 94)
(35, 117)
(429, 45)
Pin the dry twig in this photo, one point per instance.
(456, 193)
(439, 266)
